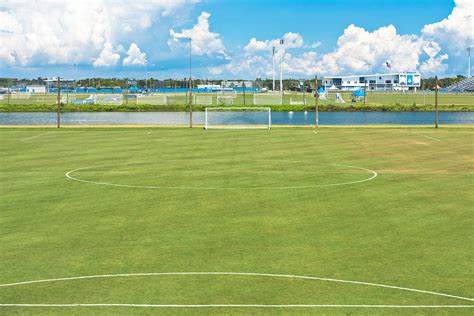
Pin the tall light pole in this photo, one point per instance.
(316, 97)
(281, 67)
(469, 62)
(273, 63)
(436, 102)
(146, 75)
(190, 84)
(58, 110)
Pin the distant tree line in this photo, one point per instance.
(291, 84)
(429, 83)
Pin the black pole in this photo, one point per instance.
(304, 95)
(59, 104)
(365, 90)
(190, 87)
(436, 101)
(316, 97)
(243, 86)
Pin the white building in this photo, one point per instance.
(36, 89)
(209, 86)
(381, 82)
(237, 84)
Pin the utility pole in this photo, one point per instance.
(273, 62)
(243, 88)
(146, 76)
(281, 67)
(365, 90)
(8, 92)
(304, 92)
(436, 101)
(469, 62)
(59, 104)
(190, 86)
(316, 97)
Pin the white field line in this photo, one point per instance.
(269, 275)
(36, 136)
(69, 175)
(236, 305)
(315, 132)
(148, 133)
(426, 136)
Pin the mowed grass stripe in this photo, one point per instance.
(404, 229)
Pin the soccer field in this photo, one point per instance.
(288, 221)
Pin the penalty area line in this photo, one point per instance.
(238, 305)
(36, 136)
(426, 136)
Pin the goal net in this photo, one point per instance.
(267, 99)
(339, 98)
(225, 100)
(296, 101)
(108, 99)
(203, 99)
(65, 99)
(20, 96)
(152, 99)
(323, 96)
(229, 93)
(238, 118)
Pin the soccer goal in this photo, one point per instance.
(108, 99)
(229, 93)
(203, 99)
(267, 99)
(296, 102)
(152, 99)
(65, 99)
(339, 98)
(21, 96)
(225, 100)
(238, 118)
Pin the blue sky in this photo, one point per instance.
(233, 39)
(323, 21)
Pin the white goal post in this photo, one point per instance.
(229, 93)
(225, 100)
(203, 99)
(152, 99)
(238, 118)
(339, 98)
(108, 99)
(267, 99)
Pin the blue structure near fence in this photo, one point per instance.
(134, 90)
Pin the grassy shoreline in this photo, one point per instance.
(348, 107)
(200, 126)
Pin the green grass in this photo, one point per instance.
(241, 212)
(376, 101)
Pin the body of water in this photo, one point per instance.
(278, 118)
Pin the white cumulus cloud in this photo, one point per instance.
(135, 57)
(457, 30)
(290, 40)
(107, 58)
(360, 51)
(53, 32)
(204, 42)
